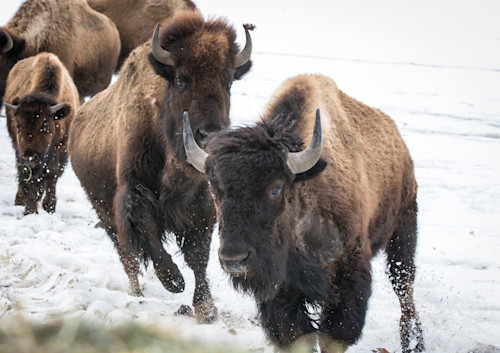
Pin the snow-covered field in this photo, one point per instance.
(433, 66)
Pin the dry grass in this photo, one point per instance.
(78, 337)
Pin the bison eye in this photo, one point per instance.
(229, 84)
(276, 191)
(180, 82)
(18, 127)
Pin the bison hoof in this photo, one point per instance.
(49, 206)
(185, 310)
(206, 313)
(172, 280)
(28, 211)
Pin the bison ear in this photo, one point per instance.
(11, 44)
(242, 70)
(60, 110)
(163, 70)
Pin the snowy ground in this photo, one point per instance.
(433, 66)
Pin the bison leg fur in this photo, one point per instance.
(195, 246)
(49, 201)
(29, 193)
(139, 236)
(401, 270)
(285, 318)
(343, 321)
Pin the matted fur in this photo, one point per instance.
(136, 20)
(86, 41)
(301, 241)
(126, 148)
(39, 137)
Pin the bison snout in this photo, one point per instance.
(235, 263)
(30, 160)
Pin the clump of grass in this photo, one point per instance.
(79, 337)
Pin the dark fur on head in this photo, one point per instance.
(200, 49)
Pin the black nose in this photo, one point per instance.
(234, 263)
(30, 160)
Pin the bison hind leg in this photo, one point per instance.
(401, 270)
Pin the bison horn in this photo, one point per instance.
(159, 53)
(11, 107)
(55, 108)
(10, 43)
(243, 56)
(300, 162)
(195, 155)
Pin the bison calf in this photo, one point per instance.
(43, 100)
(298, 228)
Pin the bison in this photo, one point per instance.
(136, 20)
(86, 41)
(42, 102)
(298, 227)
(126, 148)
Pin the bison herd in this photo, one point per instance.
(303, 199)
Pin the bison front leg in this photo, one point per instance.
(286, 321)
(50, 200)
(195, 246)
(30, 189)
(343, 321)
(140, 237)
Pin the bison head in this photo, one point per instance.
(34, 119)
(200, 60)
(11, 47)
(252, 172)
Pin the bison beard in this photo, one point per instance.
(298, 228)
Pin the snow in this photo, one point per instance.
(433, 66)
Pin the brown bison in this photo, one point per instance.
(126, 148)
(42, 102)
(298, 228)
(86, 41)
(136, 20)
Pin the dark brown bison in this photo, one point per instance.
(298, 228)
(40, 100)
(126, 148)
(86, 41)
(136, 20)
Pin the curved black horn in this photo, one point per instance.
(10, 43)
(300, 162)
(55, 108)
(243, 56)
(11, 107)
(195, 155)
(159, 53)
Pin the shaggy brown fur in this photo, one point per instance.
(39, 136)
(86, 41)
(136, 19)
(134, 169)
(299, 240)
